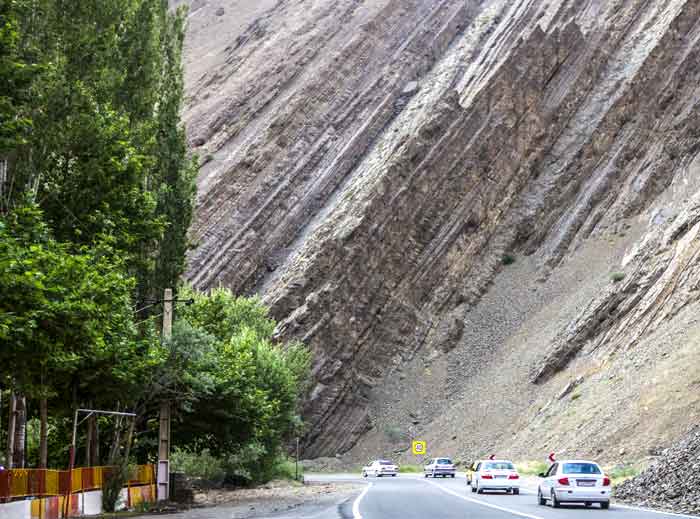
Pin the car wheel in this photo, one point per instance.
(364, 474)
(378, 475)
(555, 501)
(393, 475)
(605, 505)
(453, 476)
(516, 491)
(540, 498)
(425, 474)
(588, 504)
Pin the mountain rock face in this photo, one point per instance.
(483, 217)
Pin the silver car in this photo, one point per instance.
(495, 475)
(379, 468)
(439, 467)
(574, 481)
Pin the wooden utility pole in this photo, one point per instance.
(164, 432)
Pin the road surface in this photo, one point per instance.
(409, 496)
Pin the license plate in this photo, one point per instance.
(500, 477)
(586, 483)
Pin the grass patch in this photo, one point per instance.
(201, 465)
(394, 434)
(616, 277)
(285, 469)
(508, 259)
(621, 473)
(531, 468)
(410, 469)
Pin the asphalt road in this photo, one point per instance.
(409, 496)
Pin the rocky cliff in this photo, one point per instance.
(483, 217)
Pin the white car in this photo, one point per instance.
(574, 481)
(439, 467)
(495, 475)
(379, 468)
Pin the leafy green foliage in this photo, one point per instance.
(616, 277)
(250, 405)
(94, 217)
(106, 158)
(532, 468)
(16, 76)
(621, 473)
(60, 312)
(115, 480)
(200, 464)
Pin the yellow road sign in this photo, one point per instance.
(418, 447)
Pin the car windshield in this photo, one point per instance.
(499, 465)
(581, 468)
(444, 461)
(385, 462)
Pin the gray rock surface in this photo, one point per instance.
(672, 483)
(374, 217)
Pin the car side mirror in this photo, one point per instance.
(541, 475)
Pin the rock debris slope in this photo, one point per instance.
(672, 483)
(369, 164)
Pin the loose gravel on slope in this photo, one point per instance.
(673, 483)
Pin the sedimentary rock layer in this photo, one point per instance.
(367, 165)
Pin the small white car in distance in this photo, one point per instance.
(574, 481)
(379, 468)
(439, 467)
(495, 475)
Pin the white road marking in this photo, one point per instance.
(356, 505)
(483, 503)
(650, 511)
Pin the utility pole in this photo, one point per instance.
(296, 463)
(164, 430)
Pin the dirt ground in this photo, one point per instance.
(271, 499)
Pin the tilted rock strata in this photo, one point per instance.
(371, 164)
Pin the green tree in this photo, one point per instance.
(177, 172)
(16, 75)
(250, 408)
(66, 319)
(107, 157)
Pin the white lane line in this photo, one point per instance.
(650, 511)
(356, 505)
(483, 503)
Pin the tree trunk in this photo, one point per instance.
(11, 423)
(43, 433)
(20, 432)
(116, 441)
(129, 439)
